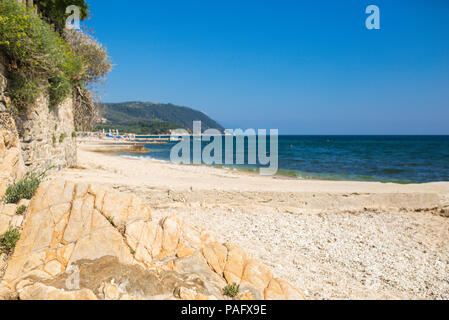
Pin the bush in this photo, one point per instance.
(21, 210)
(96, 65)
(94, 55)
(39, 59)
(9, 240)
(62, 137)
(231, 290)
(24, 189)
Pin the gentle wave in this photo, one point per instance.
(398, 159)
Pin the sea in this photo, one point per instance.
(397, 159)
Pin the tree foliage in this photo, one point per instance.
(183, 117)
(54, 11)
(39, 58)
(45, 58)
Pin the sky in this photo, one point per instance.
(303, 67)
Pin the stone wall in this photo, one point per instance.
(45, 131)
(46, 135)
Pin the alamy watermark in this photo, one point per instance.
(190, 149)
(73, 280)
(73, 20)
(373, 20)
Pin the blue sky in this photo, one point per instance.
(304, 67)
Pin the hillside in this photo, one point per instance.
(151, 118)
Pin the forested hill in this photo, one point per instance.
(151, 118)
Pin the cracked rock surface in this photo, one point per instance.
(85, 242)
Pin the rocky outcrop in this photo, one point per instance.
(11, 163)
(9, 217)
(87, 242)
(11, 170)
(4, 99)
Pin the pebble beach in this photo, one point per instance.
(333, 239)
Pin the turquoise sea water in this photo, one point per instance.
(401, 159)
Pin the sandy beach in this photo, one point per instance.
(332, 239)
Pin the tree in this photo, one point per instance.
(55, 11)
(37, 58)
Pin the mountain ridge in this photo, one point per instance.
(151, 117)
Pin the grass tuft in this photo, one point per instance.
(9, 240)
(24, 189)
(231, 290)
(21, 210)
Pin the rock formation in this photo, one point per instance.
(11, 162)
(87, 242)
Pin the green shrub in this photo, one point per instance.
(97, 64)
(73, 134)
(53, 138)
(62, 137)
(24, 189)
(9, 240)
(94, 55)
(231, 290)
(39, 59)
(23, 90)
(21, 210)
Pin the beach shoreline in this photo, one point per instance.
(334, 239)
(386, 159)
(118, 149)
